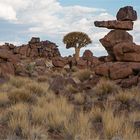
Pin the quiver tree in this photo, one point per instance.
(76, 40)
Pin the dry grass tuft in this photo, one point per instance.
(36, 89)
(83, 75)
(71, 89)
(58, 112)
(96, 114)
(39, 115)
(19, 82)
(37, 133)
(79, 98)
(18, 120)
(112, 125)
(78, 126)
(124, 96)
(106, 87)
(4, 101)
(20, 95)
(42, 79)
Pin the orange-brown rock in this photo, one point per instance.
(115, 24)
(127, 13)
(103, 69)
(117, 70)
(87, 55)
(114, 37)
(34, 40)
(6, 69)
(82, 64)
(59, 62)
(129, 82)
(120, 70)
(91, 60)
(125, 51)
(8, 56)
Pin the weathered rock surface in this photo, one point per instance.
(127, 13)
(114, 24)
(125, 51)
(114, 37)
(120, 70)
(129, 82)
(6, 69)
(91, 61)
(117, 70)
(87, 55)
(23, 60)
(59, 62)
(59, 83)
(82, 64)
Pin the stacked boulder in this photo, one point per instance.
(118, 42)
(123, 54)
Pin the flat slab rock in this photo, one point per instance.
(115, 24)
(127, 13)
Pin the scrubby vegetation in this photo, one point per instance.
(29, 109)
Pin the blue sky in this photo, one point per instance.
(52, 19)
(110, 5)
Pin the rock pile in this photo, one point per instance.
(17, 60)
(123, 53)
(36, 48)
(118, 42)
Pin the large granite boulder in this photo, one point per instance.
(114, 24)
(114, 37)
(117, 70)
(127, 13)
(127, 51)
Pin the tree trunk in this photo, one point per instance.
(77, 53)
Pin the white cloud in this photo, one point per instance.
(7, 12)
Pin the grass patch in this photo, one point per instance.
(106, 87)
(83, 75)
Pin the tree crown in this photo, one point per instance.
(76, 40)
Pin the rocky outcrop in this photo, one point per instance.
(117, 37)
(115, 24)
(37, 48)
(122, 63)
(24, 60)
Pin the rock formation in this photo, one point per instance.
(119, 35)
(17, 59)
(123, 53)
